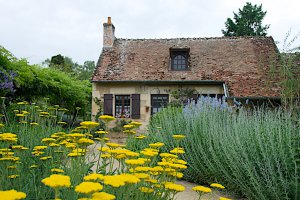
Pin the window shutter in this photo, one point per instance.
(108, 104)
(136, 106)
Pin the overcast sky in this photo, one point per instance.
(39, 29)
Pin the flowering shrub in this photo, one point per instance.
(255, 153)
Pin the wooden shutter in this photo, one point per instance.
(108, 104)
(136, 106)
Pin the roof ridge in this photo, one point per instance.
(193, 38)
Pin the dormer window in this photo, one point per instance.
(179, 59)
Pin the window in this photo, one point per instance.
(158, 101)
(122, 106)
(179, 59)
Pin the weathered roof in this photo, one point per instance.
(241, 62)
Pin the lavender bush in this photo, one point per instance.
(6, 82)
(254, 153)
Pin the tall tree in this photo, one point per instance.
(247, 22)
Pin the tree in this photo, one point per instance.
(248, 22)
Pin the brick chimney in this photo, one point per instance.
(108, 34)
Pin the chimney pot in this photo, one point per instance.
(109, 20)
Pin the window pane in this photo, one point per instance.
(122, 106)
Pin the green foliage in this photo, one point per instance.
(33, 82)
(247, 22)
(182, 95)
(254, 153)
(66, 64)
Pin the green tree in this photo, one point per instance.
(247, 22)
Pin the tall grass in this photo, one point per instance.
(254, 153)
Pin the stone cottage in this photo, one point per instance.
(134, 77)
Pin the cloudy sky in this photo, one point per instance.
(39, 29)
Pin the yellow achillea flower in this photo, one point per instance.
(178, 137)
(46, 158)
(44, 113)
(57, 170)
(57, 181)
(8, 137)
(142, 175)
(48, 140)
(112, 145)
(33, 166)
(107, 118)
(128, 126)
(20, 115)
(146, 189)
(103, 196)
(12, 195)
(223, 198)
(88, 187)
(201, 189)
(53, 145)
(129, 178)
(156, 145)
(177, 151)
(17, 147)
(62, 123)
(11, 167)
(93, 177)
(174, 187)
(149, 153)
(168, 155)
(113, 181)
(89, 124)
(39, 148)
(101, 132)
(85, 141)
(34, 123)
(217, 185)
(136, 124)
(134, 162)
(13, 176)
(140, 137)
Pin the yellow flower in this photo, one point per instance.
(57, 170)
(12, 195)
(134, 162)
(201, 189)
(112, 145)
(53, 145)
(142, 175)
(136, 124)
(57, 181)
(177, 151)
(156, 145)
(149, 153)
(33, 166)
(85, 141)
(17, 147)
(48, 140)
(11, 167)
(128, 126)
(175, 187)
(223, 198)
(89, 124)
(129, 178)
(101, 132)
(20, 115)
(168, 155)
(146, 189)
(93, 177)
(178, 137)
(34, 124)
(39, 148)
(62, 123)
(103, 196)
(113, 181)
(140, 137)
(88, 187)
(13, 176)
(44, 113)
(46, 158)
(217, 185)
(107, 118)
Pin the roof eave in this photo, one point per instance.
(155, 82)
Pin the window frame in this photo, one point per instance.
(179, 52)
(123, 105)
(152, 102)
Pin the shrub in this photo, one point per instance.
(254, 153)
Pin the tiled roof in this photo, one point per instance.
(242, 62)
